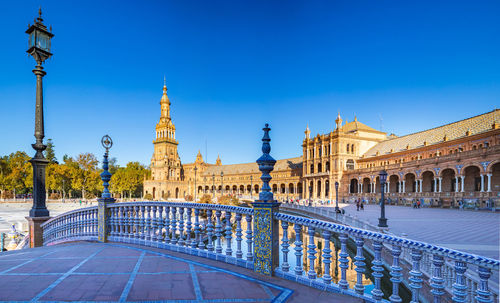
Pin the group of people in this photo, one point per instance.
(359, 205)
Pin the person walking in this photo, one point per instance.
(357, 206)
(361, 206)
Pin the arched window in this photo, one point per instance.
(319, 167)
(312, 169)
(352, 148)
(347, 148)
(350, 164)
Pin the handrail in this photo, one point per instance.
(216, 232)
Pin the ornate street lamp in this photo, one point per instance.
(195, 188)
(39, 48)
(213, 186)
(382, 221)
(337, 197)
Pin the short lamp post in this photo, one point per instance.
(382, 221)
(195, 188)
(337, 197)
(102, 209)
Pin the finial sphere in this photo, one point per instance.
(106, 142)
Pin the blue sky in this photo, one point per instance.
(232, 66)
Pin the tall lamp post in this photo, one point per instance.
(337, 197)
(213, 186)
(195, 189)
(382, 221)
(39, 48)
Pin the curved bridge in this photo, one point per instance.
(227, 234)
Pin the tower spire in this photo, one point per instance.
(165, 102)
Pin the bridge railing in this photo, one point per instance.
(76, 225)
(226, 233)
(472, 279)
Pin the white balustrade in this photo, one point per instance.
(203, 229)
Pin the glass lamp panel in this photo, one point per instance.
(31, 41)
(43, 41)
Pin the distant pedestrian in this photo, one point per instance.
(418, 204)
(361, 206)
(357, 206)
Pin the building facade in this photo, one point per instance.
(451, 165)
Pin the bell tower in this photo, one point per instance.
(165, 163)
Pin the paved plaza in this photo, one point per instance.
(119, 273)
(476, 232)
(15, 213)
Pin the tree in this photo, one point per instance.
(4, 173)
(113, 167)
(128, 179)
(20, 177)
(85, 176)
(50, 153)
(59, 177)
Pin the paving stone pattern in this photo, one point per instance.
(476, 232)
(86, 271)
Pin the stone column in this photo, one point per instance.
(456, 184)
(421, 184)
(482, 183)
(416, 185)
(463, 184)
(435, 184)
(489, 182)
(388, 187)
(404, 187)
(440, 184)
(361, 191)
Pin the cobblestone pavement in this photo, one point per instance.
(476, 232)
(110, 272)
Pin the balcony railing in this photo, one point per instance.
(216, 232)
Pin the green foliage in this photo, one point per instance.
(148, 197)
(128, 180)
(50, 154)
(79, 176)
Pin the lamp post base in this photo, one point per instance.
(382, 222)
(35, 230)
(39, 208)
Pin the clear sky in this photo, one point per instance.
(232, 66)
